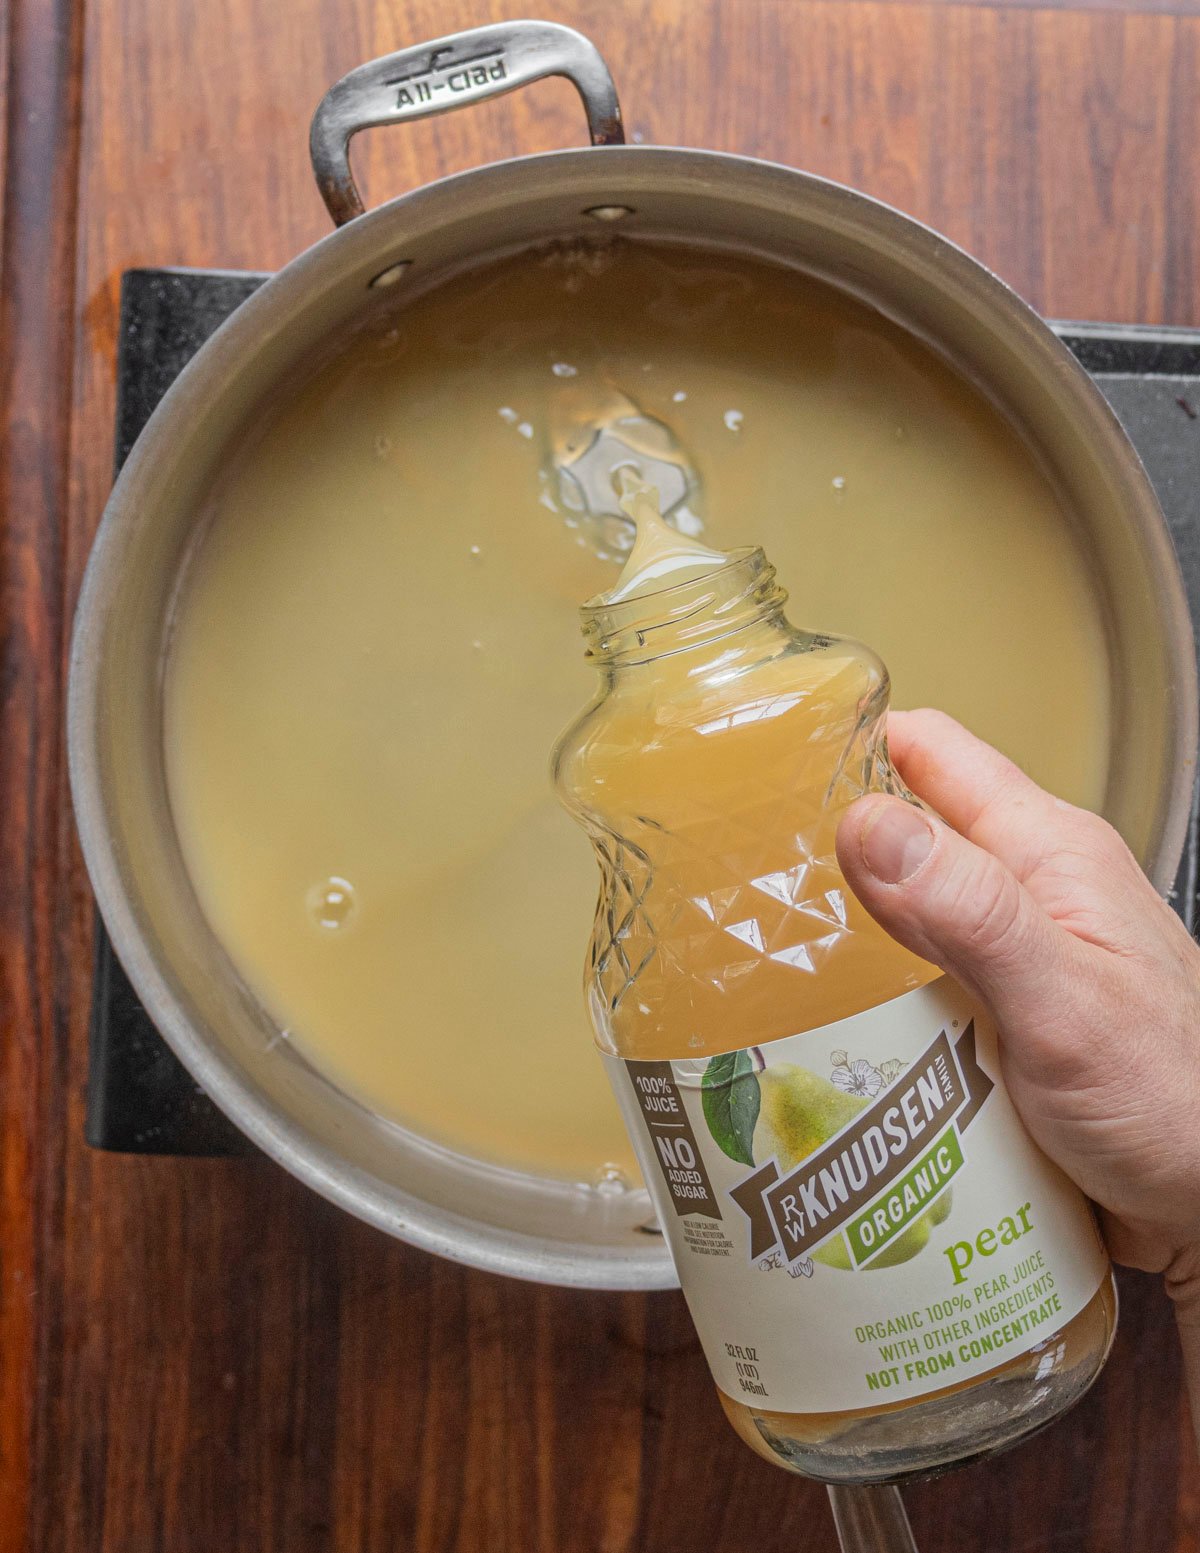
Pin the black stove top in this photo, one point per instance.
(140, 1097)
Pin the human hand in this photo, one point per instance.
(1041, 910)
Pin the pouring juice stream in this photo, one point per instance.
(886, 1275)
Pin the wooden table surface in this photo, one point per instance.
(201, 1355)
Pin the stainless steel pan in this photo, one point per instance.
(556, 1234)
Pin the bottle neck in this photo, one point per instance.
(686, 618)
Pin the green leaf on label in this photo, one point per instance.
(731, 1099)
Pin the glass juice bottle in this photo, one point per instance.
(887, 1276)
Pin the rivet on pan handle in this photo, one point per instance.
(436, 77)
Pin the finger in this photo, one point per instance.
(954, 904)
(1074, 863)
(983, 794)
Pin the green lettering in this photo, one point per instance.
(960, 1257)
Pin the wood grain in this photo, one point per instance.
(37, 264)
(199, 1355)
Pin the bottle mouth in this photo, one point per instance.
(683, 614)
(646, 601)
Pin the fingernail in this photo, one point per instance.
(896, 840)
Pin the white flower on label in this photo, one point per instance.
(801, 1269)
(839, 1058)
(891, 1070)
(857, 1078)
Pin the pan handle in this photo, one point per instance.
(435, 77)
(871, 1519)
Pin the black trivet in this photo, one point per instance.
(140, 1098)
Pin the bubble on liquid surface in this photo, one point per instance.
(611, 1181)
(734, 419)
(839, 483)
(332, 904)
(564, 369)
(512, 418)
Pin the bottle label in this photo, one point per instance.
(857, 1214)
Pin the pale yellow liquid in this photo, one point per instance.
(377, 644)
(718, 786)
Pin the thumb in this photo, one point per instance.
(952, 903)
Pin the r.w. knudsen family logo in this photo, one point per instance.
(881, 1171)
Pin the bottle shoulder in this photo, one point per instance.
(568, 756)
(801, 672)
(794, 705)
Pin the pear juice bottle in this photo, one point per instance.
(886, 1275)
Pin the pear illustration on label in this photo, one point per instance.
(757, 1112)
